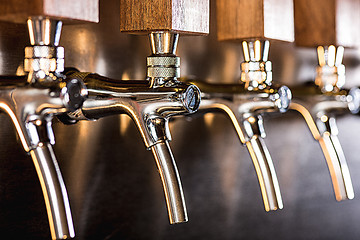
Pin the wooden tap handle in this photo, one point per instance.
(327, 22)
(181, 16)
(249, 19)
(68, 10)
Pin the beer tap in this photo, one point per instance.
(256, 96)
(33, 100)
(319, 102)
(153, 101)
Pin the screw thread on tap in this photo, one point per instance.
(163, 65)
(330, 74)
(256, 70)
(44, 59)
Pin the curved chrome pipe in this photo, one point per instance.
(266, 174)
(323, 128)
(31, 111)
(244, 109)
(54, 191)
(170, 178)
(150, 108)
(338, 167)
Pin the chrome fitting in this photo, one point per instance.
(256, 70)
(354, 100)
(191, 98)
(163, 65)
(44, 63)
(330, 74)
(282, 98)
(44, 60)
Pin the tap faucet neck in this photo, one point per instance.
(163, 66)
(44, 59)
(330, 73)
(256, 70)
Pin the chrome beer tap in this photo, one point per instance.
(32, 102)
(150, 103)
(246, 104)
(319, 103)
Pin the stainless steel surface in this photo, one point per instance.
(150, 104)
(32, 109)
(163, 42)
(171, 181)
(319, 105)
(114, 188)
(245, 104)
(54, 190)
(44, 31)
(245, 110)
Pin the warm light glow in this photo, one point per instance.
(324, 118)
(331, 55)
(232, 116)
(308, 119)
(166, 42)
(9, 111)
(209, 119)
(251, 120)
(31, 32)
(125, 122)
(38, 122)
(321, 55)
(326, 150)
(257, 50)
(246, 51)
(125, 76)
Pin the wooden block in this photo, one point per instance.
(327, 22)
(79, 10)
(183, 16)
(262, 19)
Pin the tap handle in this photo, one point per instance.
(326, 22)
(179, 16)
(255, 19)
(80, 10)
(170, 178)
(335, 158)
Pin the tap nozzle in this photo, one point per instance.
(330, 73)
(335, 158)
(256, 70)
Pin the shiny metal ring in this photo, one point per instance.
(163, 61)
